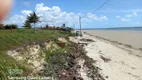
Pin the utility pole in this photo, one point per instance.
(74, 26)
(80, 26)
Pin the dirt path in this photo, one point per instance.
(115, 61)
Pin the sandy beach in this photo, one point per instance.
(115, 61)
(132, 38)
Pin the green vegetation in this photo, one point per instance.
(14, 38)
(27, 25)
(47, 26)
(24, 36)
(10, 26)
(60, 60)
(1, 26)
(63, 26)
(61, 56)
(33, 18)
(20, 37)
(65, 60)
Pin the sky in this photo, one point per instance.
(116, 13)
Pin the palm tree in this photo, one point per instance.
(27, 24)
(33, 18)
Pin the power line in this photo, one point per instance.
(101, 6)
(98, 8)
(92, 12)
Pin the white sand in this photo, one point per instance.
(124, 64)
(132, 38)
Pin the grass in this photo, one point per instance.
(10, 40)
(19, 38)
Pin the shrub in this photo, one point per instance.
(50, 28)
(10, 26)
(68, 29)
(1, 26)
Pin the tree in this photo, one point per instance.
(33, 18)
(27, 24)
(1, 26)
(64, 25)
(47, 26)
(11, 26)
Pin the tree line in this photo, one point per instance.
(33, 18)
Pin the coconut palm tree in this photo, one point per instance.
(27, 24)
(33, 18)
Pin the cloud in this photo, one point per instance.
(117, 16)
(53, 16)
(27, 3)
(124, 20)
(129, 16)
(41, 7)
(135, 14)
(26, 12)
(16, 19)
(96, 18)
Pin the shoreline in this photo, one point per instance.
(114, 61)
(127, 47)
(130, 39)
(115, 42)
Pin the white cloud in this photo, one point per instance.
(117, 16)
(94, 17)
(129, 16)
(26, 12)
(53, 15)
(124, 20)
(41, 7)
(135, 14)
(27, 3)
(56, 8)
(16, 19)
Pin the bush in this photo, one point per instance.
(10, 26)
(1, 26)
(68, 29)
(51, 28)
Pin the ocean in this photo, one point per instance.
(118, 28)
